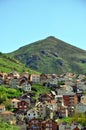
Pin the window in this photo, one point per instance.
(20, 106)
(38, 113)
(13, 106)
(34, 114)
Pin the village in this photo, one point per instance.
(66, 97)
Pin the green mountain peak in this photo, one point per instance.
(52, 55)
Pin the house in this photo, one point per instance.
(60, 91)
(49, 76)
(1, 78)
(52, 105)
(49, 97)
(26, 87)
(61, 79)
(23, 105)
(14, 82)
(32, 113)
(35, 78)
(64, 126)
(81, 108)
(81, 86)
(71, 100)
(43, 78)
(68, 88)
(52, 82)
(24, 74)
(2, 108)
(14, 74)
(41, 107)
(46, 97)
(5, 78)
(14, 103)
(34, 124)
(83, 99)
(64, 88)
(28, 97)
(67, 78)
(80, 77)
(7, 116)
(12, 79)
(75, 126)
(59, 97)
(49, 124)
(83, 128)
(10, 76)
(62, 111)
(23, 81)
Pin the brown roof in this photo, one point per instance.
(7, 113)
(2, 106)
(52, 102)
(15, 100)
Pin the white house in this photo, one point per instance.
(74, 125)
(14, 103)
(14, 83)
(2, 108)
(26, 87)
(41, 107)
(35, 78)
(64, 126)
(32, 113)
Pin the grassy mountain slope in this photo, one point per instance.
(52, 55)
(8, 64)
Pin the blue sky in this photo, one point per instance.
(26, 21)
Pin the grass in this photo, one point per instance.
(8, 64)
(40, 90)
(7, 126)
(6, 94)
(67, 119)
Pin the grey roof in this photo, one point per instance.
(69, 93)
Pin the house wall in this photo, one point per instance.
(32, 114)
(35, 78)
(49, 125)
(64, 126)
(70, 100)
(75, 126)
(23, 106)
(34, 124)
(2, 108)
(14, 104)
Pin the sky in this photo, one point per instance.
(25, 21)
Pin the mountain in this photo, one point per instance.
(8, 64)
(52, 55)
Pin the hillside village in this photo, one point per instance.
(66, 96)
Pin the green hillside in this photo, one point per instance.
(52, 55)
(8, 64)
